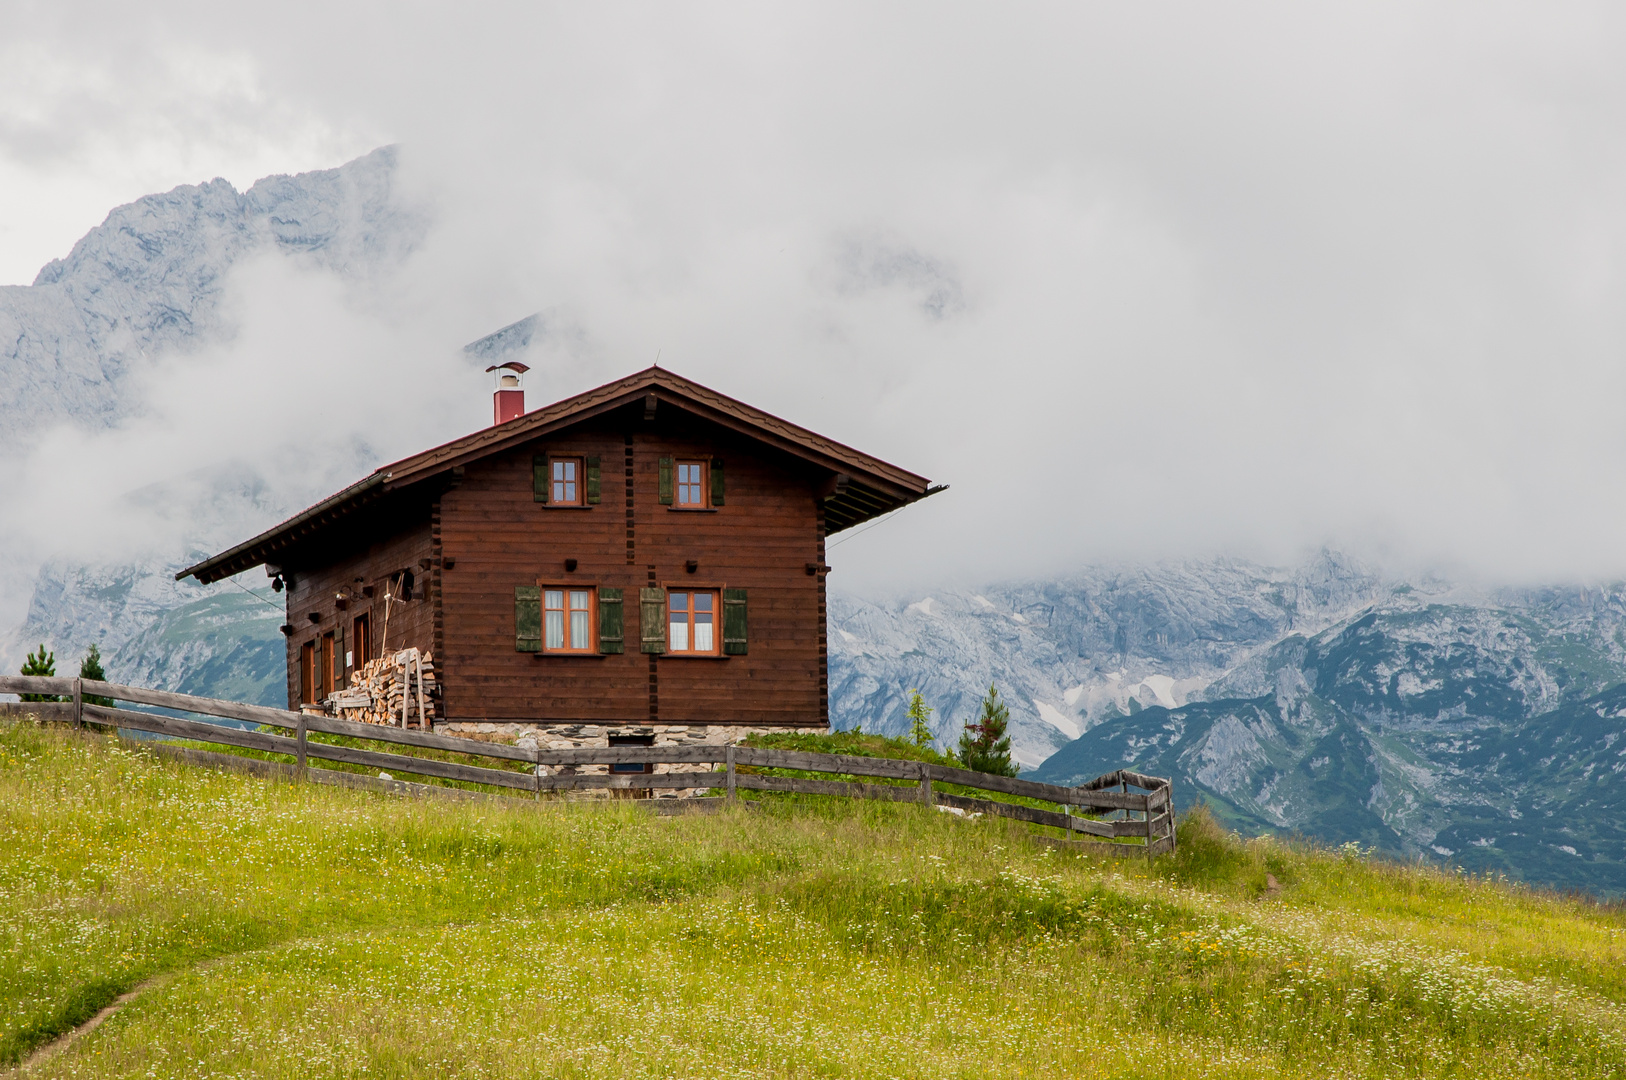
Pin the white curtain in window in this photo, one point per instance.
(702, 622)
(677, 623)
(578, 619)
(554, 602)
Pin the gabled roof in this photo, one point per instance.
(860, 487)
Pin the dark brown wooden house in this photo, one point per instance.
(644, 558)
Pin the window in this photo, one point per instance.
(567, 620)
(691, 483)
(307, 673)
(330, 661)
(361, 640)
(566, 482)
(691, 618)
(632, 766)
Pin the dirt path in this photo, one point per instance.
(68, 1038)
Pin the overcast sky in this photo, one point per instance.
(1137, 280)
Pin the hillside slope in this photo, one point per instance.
(297, 930)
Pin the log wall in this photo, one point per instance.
(374, 563)
(494, 535)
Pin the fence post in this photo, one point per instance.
(926, 783)
(1148, 816)
(536, 770)
(729, 757)
(299, 739)
(79, 703)
(1173, 832)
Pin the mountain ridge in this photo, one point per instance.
(150, 278)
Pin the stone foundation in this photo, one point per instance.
(577, 736)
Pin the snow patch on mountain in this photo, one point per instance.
(1067, 725)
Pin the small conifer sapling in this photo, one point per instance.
(920, 714)
(41, 663)
(985, 745)
(91, 668)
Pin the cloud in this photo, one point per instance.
(866, 263)
(232, 436)
(1138, 281)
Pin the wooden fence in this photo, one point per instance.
(1145, 815)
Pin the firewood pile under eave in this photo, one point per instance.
(380, 688)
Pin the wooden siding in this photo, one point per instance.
(497, 537)
(319, 577)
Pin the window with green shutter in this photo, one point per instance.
(611, 632)
(540, 480)
(527, 618)
(716, 481)
(666, 481)
(652, 620)
(735, 630)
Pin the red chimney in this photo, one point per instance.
(508, 400)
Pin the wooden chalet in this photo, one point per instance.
(643, 559)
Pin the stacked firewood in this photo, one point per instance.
(379, 688)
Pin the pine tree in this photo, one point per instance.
(42, 664)
(985, 746)
(919, 714)
(91, 668)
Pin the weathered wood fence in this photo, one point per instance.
(1145, 815)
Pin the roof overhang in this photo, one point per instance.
(858, 487)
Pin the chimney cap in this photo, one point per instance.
(512, 365)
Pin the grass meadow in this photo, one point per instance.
(279, 929)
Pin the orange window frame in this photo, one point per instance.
(693, 480)
(559, 608)
(307, 673)
(691, 616)
(566, 479)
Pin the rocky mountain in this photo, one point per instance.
(1478, 729)
(148, 281)
(211, 641)
(150, 278)
(1073, 652)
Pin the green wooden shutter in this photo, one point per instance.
(652, 620)
(338, 657)
(716, 481)
(735, 634)
(527, 618)
(666, 481)
(592, 480)
(611, 624)
(541, 480)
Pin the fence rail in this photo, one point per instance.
(1146, 815)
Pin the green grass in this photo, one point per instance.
(313, 931)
